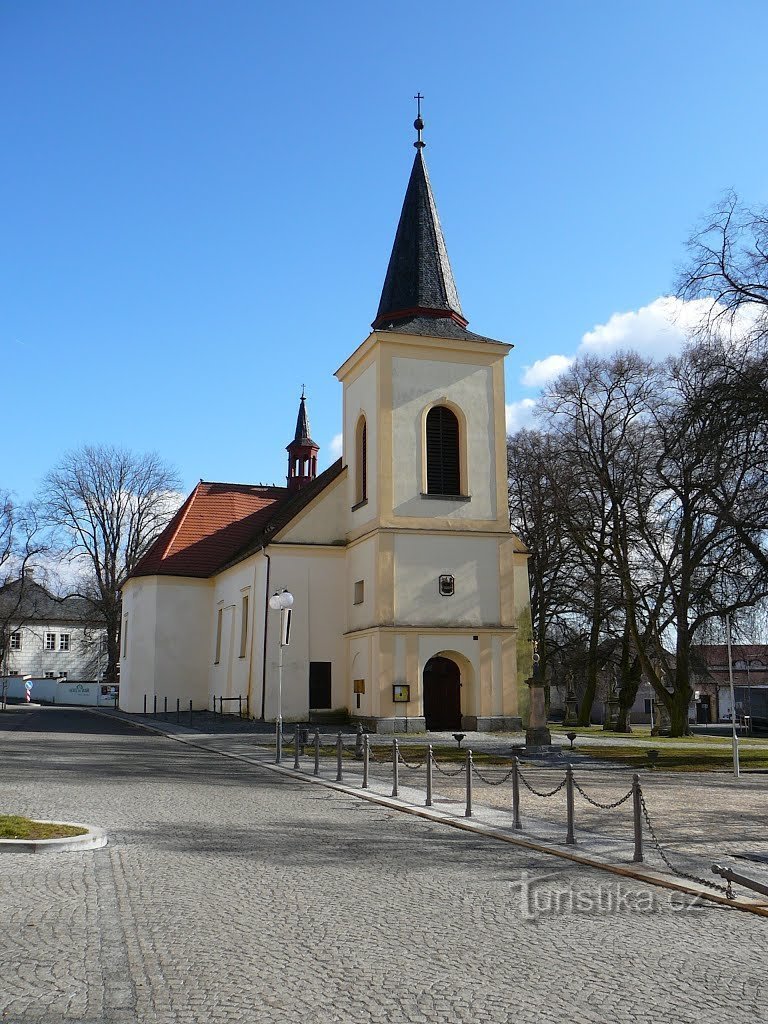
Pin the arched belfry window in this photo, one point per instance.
(443, 457)
(361, 461)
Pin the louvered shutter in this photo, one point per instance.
(443, 475)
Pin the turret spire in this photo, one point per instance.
(419, 283)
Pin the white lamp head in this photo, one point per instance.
(281, 601)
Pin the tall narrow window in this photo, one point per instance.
(219, 618)
(361, 455)
(443, 473)
(244, 626)
(125, 636)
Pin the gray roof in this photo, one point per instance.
(27, 600)
(301, 435)
(419, 278)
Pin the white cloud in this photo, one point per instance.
(519, 414)
(336, 446)
(544, 370)
(657, 330)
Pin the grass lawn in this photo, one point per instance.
(707, 759)
(643, 732)
(13, 826)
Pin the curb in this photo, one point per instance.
(488, 831)
(94, 839)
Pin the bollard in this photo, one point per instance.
(296, 751)
(190, 714)
(395, 767)
(637, 819)
(468, 809)
(165, 707)
(240, 704)
(145, 705)
(366, 758)
(154, 706)
(359, 744)
(429, 776)
(178, 711)
(339, 751)
(516, 794)
(570, 839)
(317, 751)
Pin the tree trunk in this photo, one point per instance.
(585, 708)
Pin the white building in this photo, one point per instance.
(411, 594)
(50, 637)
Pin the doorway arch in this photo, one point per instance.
(442, 694)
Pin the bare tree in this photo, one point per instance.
(21, 545)
(536, 516)
(728, 263)
(107, 505)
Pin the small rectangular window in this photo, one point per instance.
(64, 642)
(359, 592)
(647, 706)
(50, 641)
(15, 644)
(244, 626)
(50, 675)
(219, 617)
(63, 674)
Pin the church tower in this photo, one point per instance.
(439, 600)
(302, 452)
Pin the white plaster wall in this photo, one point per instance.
(418, 383)
(472, 561)
(182, 630)
(361, 565)
(326, 520)
(361, 395)
(137, 667)
(234, 675)
(317, 581)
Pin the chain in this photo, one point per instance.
(535, 792)
(449, 774)
(596, 803)
(413, 767)
(492, 782)
(727, 889)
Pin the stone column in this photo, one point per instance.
(537, 734)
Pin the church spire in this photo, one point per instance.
(419, 282)
(302, 451)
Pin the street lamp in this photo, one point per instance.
(734, 737)
(281, 601)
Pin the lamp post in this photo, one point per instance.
(281, 601)
(735, 738)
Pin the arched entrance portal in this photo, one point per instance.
(442, 694)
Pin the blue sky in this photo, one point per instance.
(199, 199)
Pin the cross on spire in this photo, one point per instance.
(418, 124)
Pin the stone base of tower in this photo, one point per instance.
(391, 726)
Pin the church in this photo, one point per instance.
(411, 605)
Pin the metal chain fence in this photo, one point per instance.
(676, 871)
(536, 792)
(596, 803)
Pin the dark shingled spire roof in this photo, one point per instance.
(419, 283)
(302, 426)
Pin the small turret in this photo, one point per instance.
(302, 452)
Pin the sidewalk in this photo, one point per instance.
(604, 839)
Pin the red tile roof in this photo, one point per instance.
(220, 524)
(212, 525)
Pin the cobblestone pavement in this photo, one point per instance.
(230, 894)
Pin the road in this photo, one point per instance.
(230, 894)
